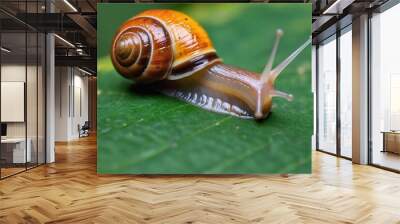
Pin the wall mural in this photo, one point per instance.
(204, 88)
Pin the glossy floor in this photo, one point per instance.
(8, 171)
(387, 159)
(70, 191)
(5, 172)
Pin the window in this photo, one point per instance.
(385, 89)
(346, 75)
(22, 78)
(327, 95)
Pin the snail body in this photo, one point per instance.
(170, 52)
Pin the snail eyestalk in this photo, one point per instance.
(268, 77)
(268, 66)
(278, 69)
(287, 96)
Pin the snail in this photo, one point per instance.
(170, 52)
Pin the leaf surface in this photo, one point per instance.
(150, 133)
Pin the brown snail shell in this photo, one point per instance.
(168, 50)
(161, 44)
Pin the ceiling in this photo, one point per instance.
(74, 22)
(330, 15)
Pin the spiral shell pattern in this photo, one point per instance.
(161, 44)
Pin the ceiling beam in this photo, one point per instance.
(78, 61)
(337, 7)
(84, 24)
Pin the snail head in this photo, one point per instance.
(269, 75)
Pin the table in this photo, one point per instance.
(18, 151)
(391, 141)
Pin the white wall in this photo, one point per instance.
(12, 101)
(71, 94)
(80, 109)
(62, 81)
(33, 126)
(13, 73)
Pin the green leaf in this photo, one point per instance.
(151, 133)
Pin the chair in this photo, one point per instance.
(84, 130)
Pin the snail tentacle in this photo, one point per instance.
(269, 76)
(278, 69)
(287, 96)
(268, 66)
(267, 80)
